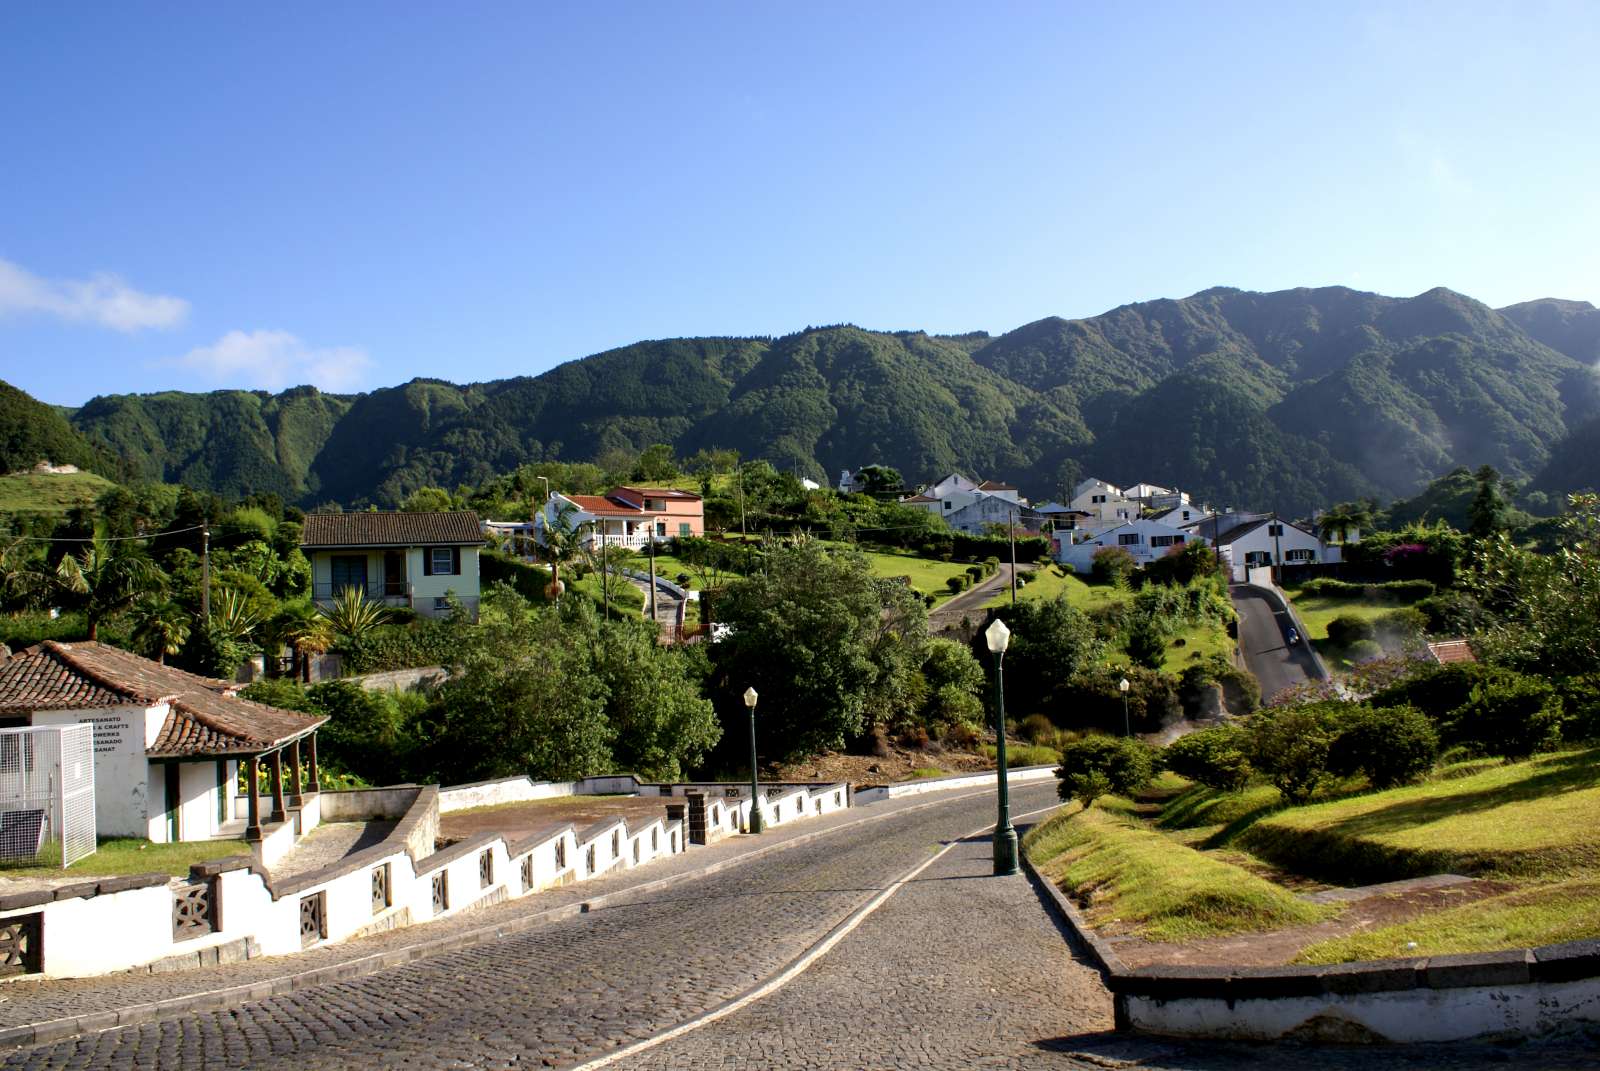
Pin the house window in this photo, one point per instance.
(1161, 541)
(442, 561)
(348, 571)
(1297, 555)
(683, 529)
(1275, 530)
(1097, 499)
(947, 505)
(441, 603)
(1128, 539)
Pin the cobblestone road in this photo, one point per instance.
(562, 993)
(956, 970)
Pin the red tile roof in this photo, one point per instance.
(656, 492)
(461, 528)
(601, 506)
(990, 485)
(204, 717)
(1452, 651)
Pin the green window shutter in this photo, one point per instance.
(427, 561)
(455, 561)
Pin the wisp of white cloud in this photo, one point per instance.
(273, 360)
(101, 299)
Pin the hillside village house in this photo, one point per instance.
(622, 517)
(968, 505)
(167, 744)
(1144, 539)
(1256, 541)
(415, 560)
(1103, 502)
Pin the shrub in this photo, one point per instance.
(1347, 629)
(1508, 714)
(1580, 698)
(1364, 651)
(1403, 628)
(1397, 590)
(1124, 765)
(1111, 564)
(1217, 758)
(1241, 692)
(1391, 746)
(974, 573)
(1434, 690)
(959, 735)
(1147, 646)
(1091, 699)
(956, 584)
(1038, 729)
(1454, 613)
(1290, 745)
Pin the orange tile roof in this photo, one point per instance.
(1452, 651)
(390, 529)
(204, 717)
(601, 506)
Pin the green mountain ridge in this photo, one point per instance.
(1283, 400)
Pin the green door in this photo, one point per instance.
(174, 827)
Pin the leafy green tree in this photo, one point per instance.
(1109, 565)
(656, 464)
(522, 699)
(881, 480)
(1290, 745)
(663, 726)
(1487, 513)
(821, 639)
(1217, 757)
(428, 500)
(1051, 641)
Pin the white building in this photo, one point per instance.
(1181, 516)
(168, 745)
(967, 505)
(1103, 501)
(1144, 539)
(1264, 541)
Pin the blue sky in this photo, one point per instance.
(229, 195)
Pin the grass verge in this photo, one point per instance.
(1536, 818)
(1141, 880)
(131, 855)
(1543, 914)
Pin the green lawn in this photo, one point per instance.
(1141, 880)
(927, 576)
(1317, 612)
(131, 855)
(1538, 818)
(41, 493)
(1048, 582)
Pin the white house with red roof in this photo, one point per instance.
(168, 745)
(622, 517)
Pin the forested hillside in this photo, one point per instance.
(1285, 400)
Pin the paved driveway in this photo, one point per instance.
(1263, 641)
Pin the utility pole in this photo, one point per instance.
(205, 571)
(1277, 549)
(653, 619)
(605, 578)
(742, 533)
(1013, 533)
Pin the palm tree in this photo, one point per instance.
(233, 616)
(561, 541)
(108, 580)
(160, 627)
(20, 581)
(310, 636)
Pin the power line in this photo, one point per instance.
(103, 539)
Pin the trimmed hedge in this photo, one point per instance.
(1394, 590)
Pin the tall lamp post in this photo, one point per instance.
(998, 637)
(1122, 686)
(756, 824)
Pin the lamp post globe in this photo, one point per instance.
(757, 825)
(998, 637)
(1123, 686)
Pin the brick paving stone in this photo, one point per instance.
(34, 1000)
(562, 992)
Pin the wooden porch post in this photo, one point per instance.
(311, 748)
(252, 829)
(278, 813)
(294, 769)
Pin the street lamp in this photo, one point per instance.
(998, 637)
(756, 824)
(1122, 686)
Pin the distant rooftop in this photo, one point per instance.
(390, 529)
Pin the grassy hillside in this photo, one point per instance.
(31, 431)
(31, 492)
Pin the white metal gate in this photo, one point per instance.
(47, 794)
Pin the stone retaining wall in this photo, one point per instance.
(1024, 774)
